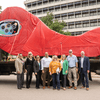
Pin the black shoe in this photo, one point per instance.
(37, 87)
(23, 86)
(20, 88)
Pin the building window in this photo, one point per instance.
(93, 12)
(64, 16)
(64, 7)
(93, 22)
(39, 2)
(29, 5)
(71, 25)
(51, 9)
(51, 1)
(77, 4)
(33, 4)
(45, 1)
(70, 15)
(98, 1)
(45, 10)
(78, 14)
(57, 0)
(57, 8)
(84, 3)
(92, 2)
(34, 12)
(39, 11)
(70, 5)
(57, 17)
(85, 13)
(99, 11)
(98, 22)
(78, 24)
(86, 23)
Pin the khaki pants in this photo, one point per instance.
(46, 74)
(70, 72)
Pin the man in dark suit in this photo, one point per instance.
(84, 67)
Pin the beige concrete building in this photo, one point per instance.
(79, 15)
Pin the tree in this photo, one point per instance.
(54, 24)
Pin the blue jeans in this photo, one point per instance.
(55, 77)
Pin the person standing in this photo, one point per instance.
(54, 69)
(45, 61)
(29, 67)
(73, 68)
(37, 68)
(19, 70)
(84, 67)
(64, 72)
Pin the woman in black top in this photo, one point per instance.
(37, 67)
(29, 67)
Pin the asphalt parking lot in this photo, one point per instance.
(9, 91)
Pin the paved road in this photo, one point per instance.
(9, 91)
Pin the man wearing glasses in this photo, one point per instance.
(73, 68)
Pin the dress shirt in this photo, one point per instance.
(82, 59)
(45, 62)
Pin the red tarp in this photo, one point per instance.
(36, 37)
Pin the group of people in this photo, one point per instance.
(49, 67)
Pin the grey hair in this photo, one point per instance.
(64, 56)
(54, 57)
(82, 52)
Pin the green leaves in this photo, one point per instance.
(54, 24)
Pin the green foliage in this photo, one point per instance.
(54, 24)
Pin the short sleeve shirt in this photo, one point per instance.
(72, 61)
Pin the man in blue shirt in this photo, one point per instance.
(73, 68)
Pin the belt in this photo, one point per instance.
(72, 67)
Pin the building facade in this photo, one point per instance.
(79, 15)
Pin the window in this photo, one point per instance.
(64, 16)
(57, 0)
(51, 1)
(39, 11)
(98, 22)
(33, 4)
(71, 25)
(29, 5)
(45, 10)
(57, 8)
(70, 15)
(39, 2)
(64, 6)
(85, 13)
(51, 9)
(93, 12)
(78, 24)
(99, 11)
(57, 17)
(86, 23)
(84, 3)
(70, 5)
(98, 1)
(78, 14)
(93, 22)
(77, 4)
(45, 1)
(34, 12)
(92, 2)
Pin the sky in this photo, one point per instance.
(10, 3)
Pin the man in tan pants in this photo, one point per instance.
(73, 68)
(45, 69)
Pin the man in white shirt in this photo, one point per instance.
(45, 69)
